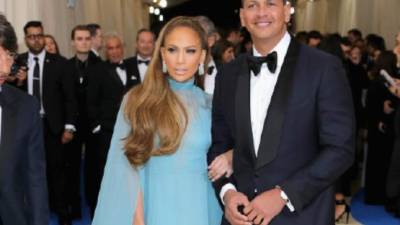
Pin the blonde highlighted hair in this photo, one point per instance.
(153, 109)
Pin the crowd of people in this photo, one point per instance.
(198, 123)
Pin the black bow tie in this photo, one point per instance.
(210, 70)
(118, 65)
(256, 62)
(143, 61)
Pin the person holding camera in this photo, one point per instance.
(23, 189)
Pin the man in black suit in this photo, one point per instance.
(145, 41)
(108, 83)
(23, 188)
(54, 89)
(286, 111)
(96, 35)
(77, 67)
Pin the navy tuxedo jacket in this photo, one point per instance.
(308, 136)
(23, 186)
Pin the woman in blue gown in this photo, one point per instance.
(156, 171)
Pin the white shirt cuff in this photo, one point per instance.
(224, 189)
(96, 129)
(288, 203)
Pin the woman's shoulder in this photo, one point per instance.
(203, 98)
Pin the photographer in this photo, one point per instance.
(23, 189)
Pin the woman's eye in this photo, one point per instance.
(171, 50)
(191, 51)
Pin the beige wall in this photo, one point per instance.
(122, 16)
(370, 16)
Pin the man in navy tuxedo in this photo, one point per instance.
(286, 111)
(23, 189)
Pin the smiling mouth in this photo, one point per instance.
(263, 24)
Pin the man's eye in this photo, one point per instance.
(191, 51)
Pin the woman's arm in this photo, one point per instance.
(138, 218)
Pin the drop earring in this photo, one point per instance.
(201, 69)
(164, 67)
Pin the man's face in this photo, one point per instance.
(34, 39)
(145, 44)
(82, 41)
(97, 40)
(114, 50)
(265, 19)
(6, 61)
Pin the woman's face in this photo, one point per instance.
(50, 45)
(182, 53)
(228, 55)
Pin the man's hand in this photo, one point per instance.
(220, 166)
(387, 107)
(67, 137)
(232, 200)
(265, 207)
(21, 75)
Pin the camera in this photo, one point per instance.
(19, 63)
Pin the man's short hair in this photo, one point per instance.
(110, 35)
(93, 27)
(355, 32)
(284, 2)
(314, 34)
(8, 38)
(78, 27)
(144, 30)
(33, 23)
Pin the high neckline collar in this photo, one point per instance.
(176, 85)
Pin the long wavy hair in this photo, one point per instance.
(153, 109)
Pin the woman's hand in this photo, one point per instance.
(220, 166)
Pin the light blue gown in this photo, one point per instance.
(175, 187)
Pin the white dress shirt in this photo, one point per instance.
(209, 79)
(31, 66)
(261, 89)
(142, 67)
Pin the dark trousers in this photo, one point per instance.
(95, 160)
(56, 166)
(74, 158)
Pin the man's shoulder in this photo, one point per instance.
(131, 60)
(15, 95)
(316, 56)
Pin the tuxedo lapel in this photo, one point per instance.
(46, 74)
(244, 134)
(113, 73)
(272, 130)
(8, 123)
(132, 72)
